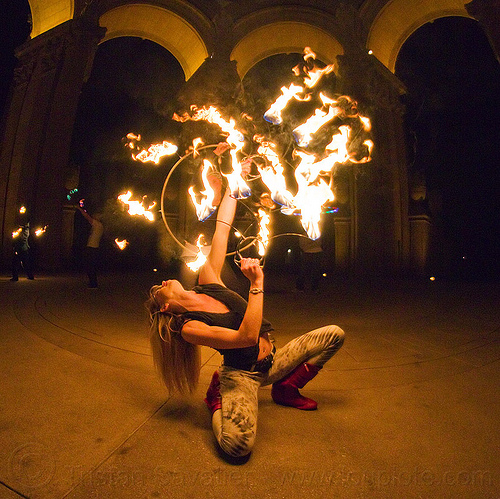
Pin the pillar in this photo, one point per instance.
(380, 201)
(36, 144)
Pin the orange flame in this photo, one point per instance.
(273, 114)
(234, 137)
(194, 148)
(206, 206)
(121, 244)
(155, 152)
(238, 187)
(263, 237)
(17, 233)
(39, 232)
(137, 207)
(273, 175)
(200, 256)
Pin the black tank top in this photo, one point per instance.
(239, 358)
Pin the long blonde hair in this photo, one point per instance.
(177, 361)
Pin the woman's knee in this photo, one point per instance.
(335, 335)
(339, 333)
(237, 445)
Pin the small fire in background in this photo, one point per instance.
(42, 230)
(138, 208)
(154, 153)
(121, 244)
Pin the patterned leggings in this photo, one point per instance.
(235, 426)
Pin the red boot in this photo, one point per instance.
(213, 399)
(285, 391)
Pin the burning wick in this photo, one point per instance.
(121, 244)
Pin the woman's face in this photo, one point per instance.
(169, 294)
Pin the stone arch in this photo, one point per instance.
(284, 37)
(47, 14)
(149, 22)
(397, 20)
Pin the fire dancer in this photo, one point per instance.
(212, 315)
(21, 256)
(93, 241)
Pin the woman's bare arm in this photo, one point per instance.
(211, 270)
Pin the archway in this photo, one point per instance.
(160, 26)
(47, 14)
(282, 38)
(399, 19)
(453, 104)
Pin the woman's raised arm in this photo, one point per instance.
(211, 270)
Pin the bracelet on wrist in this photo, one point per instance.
(256, 291)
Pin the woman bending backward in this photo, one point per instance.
(210, 314)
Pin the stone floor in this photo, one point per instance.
(408, 408)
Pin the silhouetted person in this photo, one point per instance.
(92, 249)
(21, 253)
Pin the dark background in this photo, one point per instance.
(453, 105)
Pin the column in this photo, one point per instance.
(34, 161)
(380, 206)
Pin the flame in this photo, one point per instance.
(194, 148)
(263, 237)
(206, 206)
(22, 209)
(234, 137)
(39, 232)
(121, 244)
(336, 123)
(133, 136)
(200, 256)
(273, 175)
(313, 193)
(315, 74)
(17, 233)
(237, 185)
(155, 152)
(273, 114)
(236, 140)
(303, 133)
(137, 207)
(367, 125)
